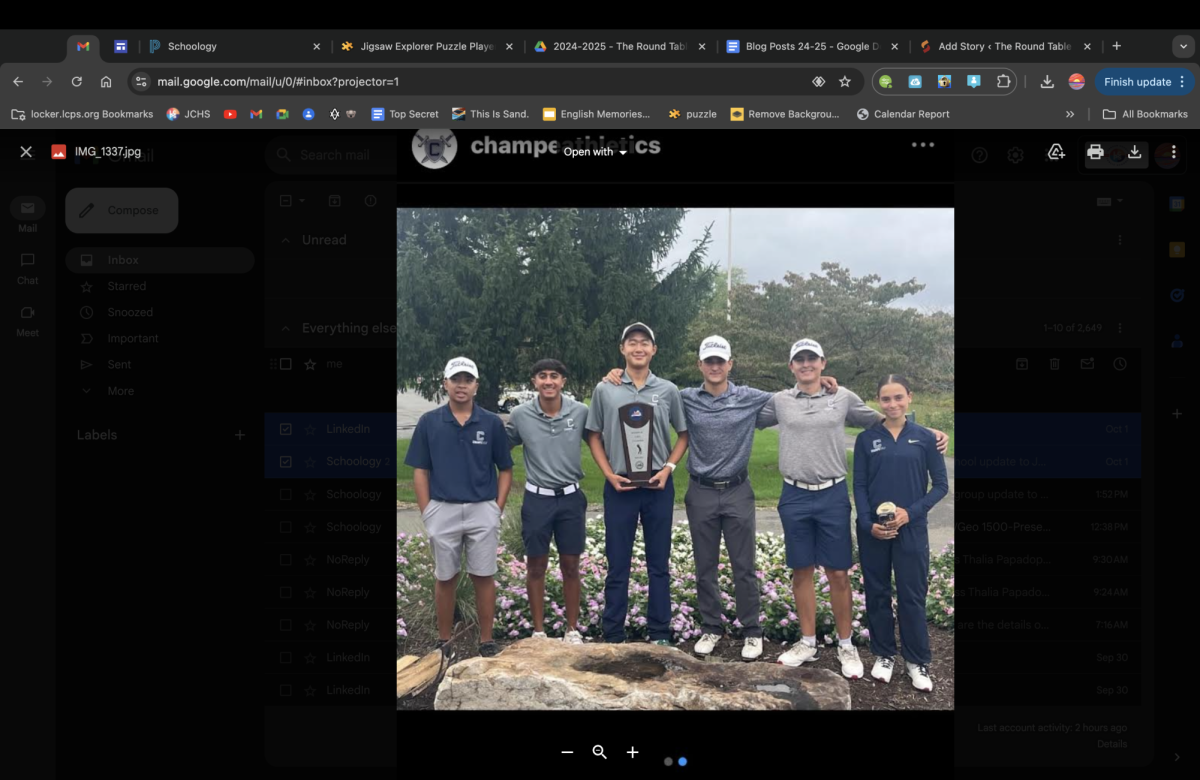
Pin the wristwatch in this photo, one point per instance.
(671, 466)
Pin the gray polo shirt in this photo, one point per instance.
(668, 413)
(721, 429)
(552, 454)
(812, 439)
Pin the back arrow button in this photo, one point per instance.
(18, 81)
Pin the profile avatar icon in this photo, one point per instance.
(434, 148)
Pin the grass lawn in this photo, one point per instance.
(931, 410)
(764, 473)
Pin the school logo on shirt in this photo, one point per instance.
(636, 414)
(654, 400)
(480, 437)
(877, 445)
(570, 424)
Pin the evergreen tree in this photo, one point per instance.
(507, 287)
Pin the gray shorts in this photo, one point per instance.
(451, 526)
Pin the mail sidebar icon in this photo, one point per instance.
(1087, 363)
(28, 208)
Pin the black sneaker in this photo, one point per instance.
(489, 649)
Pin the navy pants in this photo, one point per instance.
(621, 514)
(908, 555)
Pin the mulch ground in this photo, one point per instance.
(865, 694)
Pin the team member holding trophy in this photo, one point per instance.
(629, 435)
(894, 462)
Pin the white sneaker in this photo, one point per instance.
(799, 654)
(573, 638)
(539, 635)
(752, 649)
(920, 677)
(852, 666)
(707, 643)
(882, 670)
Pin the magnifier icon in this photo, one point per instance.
(598, 750)
(283, 154)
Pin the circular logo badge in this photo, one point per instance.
(172, 114)
(434, 148)
(1077, 81)
(885, 82)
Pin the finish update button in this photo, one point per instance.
(1145, 81)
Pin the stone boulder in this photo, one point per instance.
(544, 674)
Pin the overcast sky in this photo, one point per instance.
(897, 244)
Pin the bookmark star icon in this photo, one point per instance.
(310, 691)
(309, 463)
(310, 496)
(86, 286)
(310, 659)
(844, 81)
(310, 560)
(309, 430)
(311, 528)
(310, 593)
(310, 626)
(310, 364)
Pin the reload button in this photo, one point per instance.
(122, 210)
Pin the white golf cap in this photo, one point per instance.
(806, 345)
(639, 326)
(460, 364)
(714, 346)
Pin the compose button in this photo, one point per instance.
(1145, 81)
(122, 210)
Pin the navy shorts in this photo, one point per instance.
(816, 527)
(559, 516)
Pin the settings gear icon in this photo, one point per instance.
(1015, 155)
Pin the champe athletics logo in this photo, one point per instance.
(480, 438)
(434, 148)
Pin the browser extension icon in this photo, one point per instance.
(376, 114)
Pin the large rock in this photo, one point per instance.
(542, 674)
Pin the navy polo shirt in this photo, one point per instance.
(461, 459)
(897, 470)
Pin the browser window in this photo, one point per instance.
(674, 344)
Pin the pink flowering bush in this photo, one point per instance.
(939, 602)
(778, 618)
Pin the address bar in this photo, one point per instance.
(534, 80)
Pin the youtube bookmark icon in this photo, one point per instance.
(58, 151)
(230, 113)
